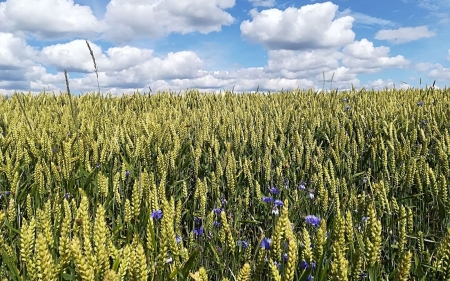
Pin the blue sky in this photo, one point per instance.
(213, 45)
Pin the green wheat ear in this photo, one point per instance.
(95, 64)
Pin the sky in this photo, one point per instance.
(217, 45)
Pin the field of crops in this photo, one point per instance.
(282, 186)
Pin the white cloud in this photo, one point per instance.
(363, 57)
(405, 34)
(448, 57)
(366, 20)
(428, 5)
(364, 49)
(381, 84)
(294, 61)
(128, 20)
(74, 56)
(440, 73)
(14, 52)
(49, 19)
(262, 3)
(423, 66)
(311, 26)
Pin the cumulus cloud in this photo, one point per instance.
(49, 19)
(440, 73)
(129, 68)
(363, 57)
(14, 52)
(128, 20)
(74, 56)
(364, 49)
(404, 34)
(311, 26)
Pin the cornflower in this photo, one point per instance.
(267, 199)
(305, 265)
(274, 190)
(278, 203)
(312, 220)
(157, 215)
(265, 243)
(302, 185)
(198, 231)
(243, 244)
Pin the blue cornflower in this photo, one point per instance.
(157, 215)
(302, 185)
(198, 231)
(285, 257)
(217, 211)
(265, 243)
(313, 265)
(267, 199)
(177, 238)
(420, 103)
(364, 219)
(127, 173)
(362, 275)
(243, 244)
(304, 265)
(312, 220)
(67, 196)
(217, 224)
(347, 107)
(309, 278)
(278, 203)
(97, 165)
(274, 190)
